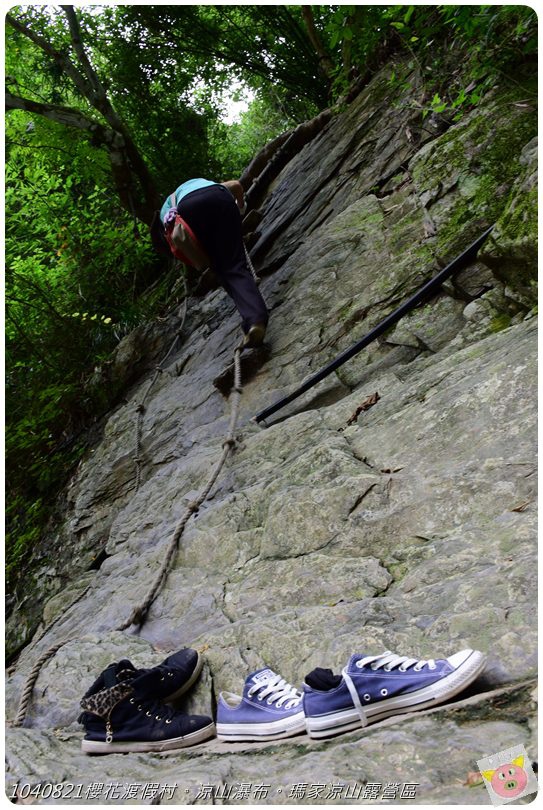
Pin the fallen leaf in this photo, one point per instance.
(366, 405)
(521, 507)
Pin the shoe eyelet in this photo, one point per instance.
(269, 702)
(373, 668)
(387, 669)
(367, 697)
(168, 722)
(132, 700)
(432, 667)
(402, 669)
(170, 674)
(384, 692)
(140, 708)
(163, 678)
(259, 697)
(148, 714)
(416, 668)
(359, 664)
(158, 718)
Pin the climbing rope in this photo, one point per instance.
(250, 266)
(139, 613)
(31, 680)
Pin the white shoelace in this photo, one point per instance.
(278, 691)
(389, 660)
(386, 661)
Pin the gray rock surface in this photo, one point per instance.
(411, 529)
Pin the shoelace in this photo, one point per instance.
(154, 708)
(386, 661)
(280, 692)
(389, 660)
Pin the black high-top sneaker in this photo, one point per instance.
(175, 675)
(120, 715)
(168, 680)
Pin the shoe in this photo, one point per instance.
(175, 675)
(372, 687)
(119, 716)
(269, 709)
(255, 336)
(168, 680)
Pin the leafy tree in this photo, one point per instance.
(74, 277)
(95, 114)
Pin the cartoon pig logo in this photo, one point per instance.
(509, 780)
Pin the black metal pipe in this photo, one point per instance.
(431, 286)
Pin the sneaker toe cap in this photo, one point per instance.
(461, 657)
(185, 660)
(195, 722)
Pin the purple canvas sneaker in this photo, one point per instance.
(372, 687)
(269, 709)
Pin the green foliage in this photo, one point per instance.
(235, 145)
(458, 50)
(75, 274)
(169, 66)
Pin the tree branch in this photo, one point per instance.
(61, 59)
(128, 167)
(97, 97)
(67, 116)
(324, 58)
(121, 156)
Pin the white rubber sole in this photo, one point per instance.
(327, 725)
(95, 747)
(253, 732)
(186, 686)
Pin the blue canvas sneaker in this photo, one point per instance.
(269, 709)
(372, 687)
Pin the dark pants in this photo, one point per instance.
(214, 217)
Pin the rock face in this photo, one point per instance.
(410, 526)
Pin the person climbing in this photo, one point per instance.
(201, 224)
